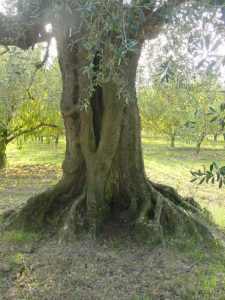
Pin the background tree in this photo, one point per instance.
(204, 93)
(163, 108)
(179, 108)
(99, 45)
(214, 173)
(197, 60)
(200, 50)
(28, 100)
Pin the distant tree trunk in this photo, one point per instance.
(199, 143)
(3, 160)
(172, 140)
(57, 141)
(215, 137)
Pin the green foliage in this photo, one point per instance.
(29, 98)
(109, 34)
(188, 60)
(162, 107)
(218, 116)
(180, 108)
(189, 48)
(202, 94)
(214, 174)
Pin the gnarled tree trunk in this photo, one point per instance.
(103, 170)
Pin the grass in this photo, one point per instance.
(33, 152)
(20, 237)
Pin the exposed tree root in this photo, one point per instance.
(173, 215)
(171, 194)
(76, 220)
(163, 213)
(39, 210)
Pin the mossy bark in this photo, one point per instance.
(103, 170)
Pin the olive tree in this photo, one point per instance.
(190, 69)
(203, 94)
(28, 100)
(99, 44)
(163, 108)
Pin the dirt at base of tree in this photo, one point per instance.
(105, 269)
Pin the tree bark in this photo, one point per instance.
(215, 137)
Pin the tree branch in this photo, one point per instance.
(72, 110)
(11, 138)
(40, 64)
(26, 28)
(5, 51)
(153, 18)
(16, 129)
(153, 125)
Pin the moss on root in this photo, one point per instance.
(176, 217)
(163, 214)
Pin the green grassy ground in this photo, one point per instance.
(33, 153)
